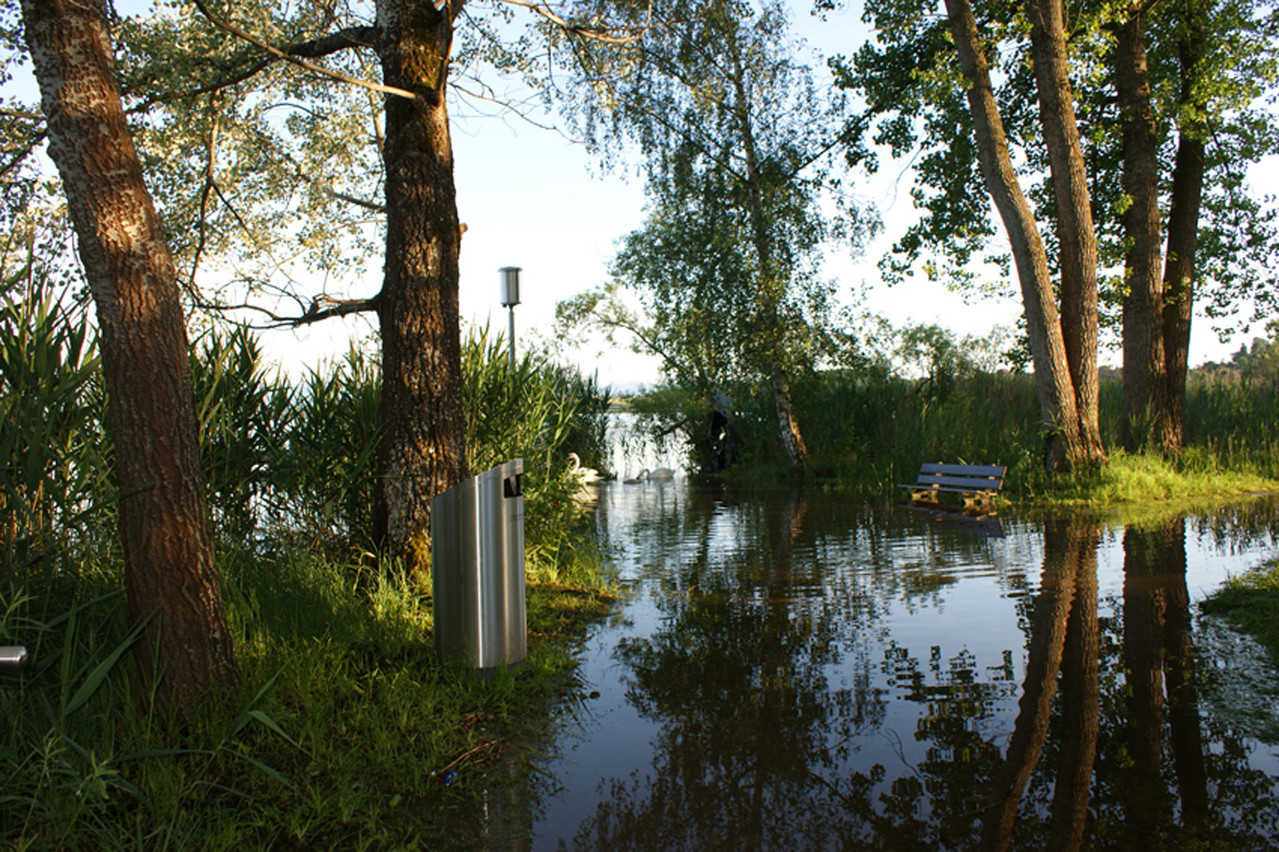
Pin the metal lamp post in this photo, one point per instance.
(510, 298)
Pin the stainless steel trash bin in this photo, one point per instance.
(477, 569)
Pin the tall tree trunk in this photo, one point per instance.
(168, 550)
(422, 451)
(1145, 403)
(1183, 222)
(1065, 446)
(787, 422)
(1077, 244)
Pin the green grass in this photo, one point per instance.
(344, 722)
(1250, 603)
(339, 736)
(1148, 478)
(870, 429)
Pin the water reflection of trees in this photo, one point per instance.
(1108, 749)
(758, 749)
(750, 725)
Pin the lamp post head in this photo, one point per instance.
(510, 291)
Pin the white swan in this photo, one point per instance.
(584, 475)
(642, 476)
(662, 474)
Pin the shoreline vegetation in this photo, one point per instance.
(346, 732)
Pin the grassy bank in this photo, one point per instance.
(870, 428)
(346, 731)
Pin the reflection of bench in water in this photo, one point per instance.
(976, 483)
(982, 526)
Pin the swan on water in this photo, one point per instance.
(642, 476)
(662, 474)
(584, 475)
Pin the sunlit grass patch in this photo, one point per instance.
(1151, 477)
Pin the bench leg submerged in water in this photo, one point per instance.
(927, 496)
(982, 501)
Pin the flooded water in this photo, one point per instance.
(788, 671)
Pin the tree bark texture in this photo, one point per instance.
(787, 422)
(1183, 222)
(422, 450)
(168, 551)
(1077, 243)
(1065, 445)
(1145, 414)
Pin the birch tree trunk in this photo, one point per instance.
(168, 550)
(787, 421)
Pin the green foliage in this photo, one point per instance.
(338, 738)
(327, 478)
(345, 720)
(539, 413)
(244, 419)
(934, 398)
(55, 497)
(280, 458)
(252, 160)
(915, 107)
(744, 194)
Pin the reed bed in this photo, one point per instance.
(345, 726)
(870, 428)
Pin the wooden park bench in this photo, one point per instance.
(976, 483)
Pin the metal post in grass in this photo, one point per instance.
(510, 295)
(12, 658)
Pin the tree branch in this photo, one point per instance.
(335, 42)
(322, 307)
(327, 42)
(332, 308)
(543, 10)
(21, 152)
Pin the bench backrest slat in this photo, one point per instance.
(974, 482)
(990, 470)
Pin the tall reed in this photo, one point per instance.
(870, 428)
(344, 712)
(56, 497)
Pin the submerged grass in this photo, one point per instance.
(1250, 604)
